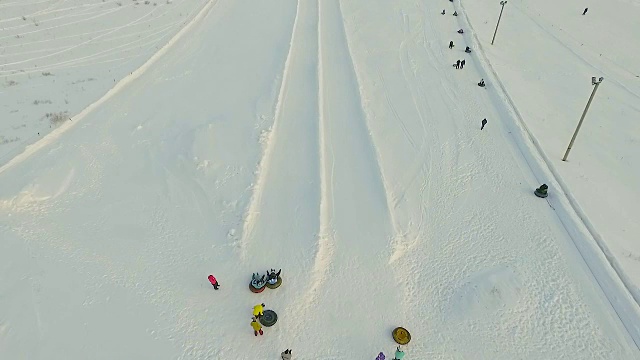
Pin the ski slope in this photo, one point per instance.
(550, 93)
(331, 139)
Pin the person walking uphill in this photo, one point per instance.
(214, 282)
(258, 310)
(257, 327)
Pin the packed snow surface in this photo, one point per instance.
(331, 139)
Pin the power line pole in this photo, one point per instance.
(503, 3)
(584, 113)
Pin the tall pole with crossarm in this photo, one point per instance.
(503, 3)
(584, 113)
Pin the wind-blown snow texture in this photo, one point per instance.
(331, 139)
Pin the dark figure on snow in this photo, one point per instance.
(460, 31)
(542, 191)
(462, 63)
(467, 50)
(442, 12)
(457, 64)
(481, 83)
(451, 45)
(585, 11)
(286, 355)
(455, 13)
(484, 122)
(272, 276)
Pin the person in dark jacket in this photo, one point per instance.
(455, 13)
(442, 12)
(462, 63)
(451, 45)
(585, 11)
(286, 355)
(457, 65)
(467, 50)
(484, 122)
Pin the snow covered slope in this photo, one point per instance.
(59, 56)
(339, 145)
(545, 54)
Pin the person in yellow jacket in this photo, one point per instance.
(258, 310)
(257, 327)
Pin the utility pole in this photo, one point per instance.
(584, 113)
(503, 3)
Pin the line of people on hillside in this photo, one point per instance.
(460, 63)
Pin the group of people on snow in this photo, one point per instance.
(459, 64)
(399, 355)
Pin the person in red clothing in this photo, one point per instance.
(213, 282)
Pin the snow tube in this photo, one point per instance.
(276, 285)
(269, 318)
(254, 289)
(540, 194)
(401, 335)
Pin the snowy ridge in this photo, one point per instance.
(388, 195)
(326, 236)
(263, 166)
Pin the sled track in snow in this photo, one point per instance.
(373, 149)
(263, 167)
(326, 237)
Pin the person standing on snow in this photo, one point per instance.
(484, 122)
(257, 327)
(451, 45)
(442, 12)
(457, 65)
(286, 355)
(399, 354)
(258, 310)
(214, 282)
(381, 356)
(462, 63)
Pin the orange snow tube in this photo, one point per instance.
(401, 335)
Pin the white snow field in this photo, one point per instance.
(544, 56)
(79, 48)
(331, 139)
